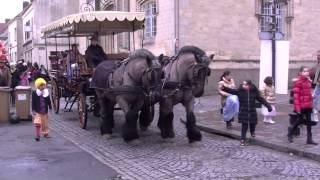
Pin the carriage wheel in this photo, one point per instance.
(82, 110)
(55, 96)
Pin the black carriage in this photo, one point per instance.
(75, 87)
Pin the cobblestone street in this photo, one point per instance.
(215, 157)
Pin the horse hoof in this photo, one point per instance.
(167, 134)
(130, 137)
(143, 128)
(194, 144)
(194, 136)
(104, 130)
(168, 140)
(107, 136)
(134, 142)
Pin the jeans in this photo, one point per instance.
(316, 98)
(231, 108)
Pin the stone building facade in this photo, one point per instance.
(232, 31)
(37, 15)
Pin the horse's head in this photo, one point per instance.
(144, 70)
(199, 74)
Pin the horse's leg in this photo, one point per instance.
(106, 115)
(130, 131)
(165, 122)
(146, 116)
(193, 132)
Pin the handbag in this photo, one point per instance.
(314, 118)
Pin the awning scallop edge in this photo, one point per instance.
(101, 16)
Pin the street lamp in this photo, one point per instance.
(273, 30)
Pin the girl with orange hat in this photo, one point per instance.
(40, 105)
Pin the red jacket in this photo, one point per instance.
(302, 94)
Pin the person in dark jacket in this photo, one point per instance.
(94, 53)
(302, 101)
(40, 105)
(247, 94)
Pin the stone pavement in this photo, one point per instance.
(267, 135)
(152, 158)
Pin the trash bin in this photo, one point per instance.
(4, 104)
(23, 102)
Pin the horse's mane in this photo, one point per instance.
(142, 53)
(198, 53)
(192, 49)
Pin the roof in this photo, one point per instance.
(3, 27)
(104, 22)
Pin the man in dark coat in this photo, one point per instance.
(94, 53)
(247, 94)
(5, 74)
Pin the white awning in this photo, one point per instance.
(103, 22)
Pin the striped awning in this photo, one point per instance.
(104, 22)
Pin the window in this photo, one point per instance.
(150, 10)
(15, 34)
(27, 31)
(105, 5)
(283, 17)
(123, 38)
(266, 20)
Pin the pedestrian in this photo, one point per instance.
(40, 105)
(35, 71)
(247, 93)
(229, 102)
(44, 73)
(5, 74)
(268, 93)
(316, 84)
(24, 77)
(302, 101)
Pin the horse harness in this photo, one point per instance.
(186, 85)
(151, 73)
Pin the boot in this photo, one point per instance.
(310, 141)
(290, 138)
(229, 125)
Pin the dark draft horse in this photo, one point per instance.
(129, 84)
(185, 77)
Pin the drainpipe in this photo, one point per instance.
(273, 40)
(176, 23)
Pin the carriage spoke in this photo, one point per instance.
(82, 110)
(55, 96)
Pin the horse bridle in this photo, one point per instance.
(151, 73)
(198, 67)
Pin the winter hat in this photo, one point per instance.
(39, 82)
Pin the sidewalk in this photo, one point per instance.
(272, 136)
(50, 159)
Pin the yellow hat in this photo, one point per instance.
(39, 82)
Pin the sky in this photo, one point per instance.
(10, 8)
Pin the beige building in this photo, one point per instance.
(35, 16)
(232, 30)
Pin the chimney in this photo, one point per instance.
(6, 20)
(25, 4)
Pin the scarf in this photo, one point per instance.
(43, 93)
